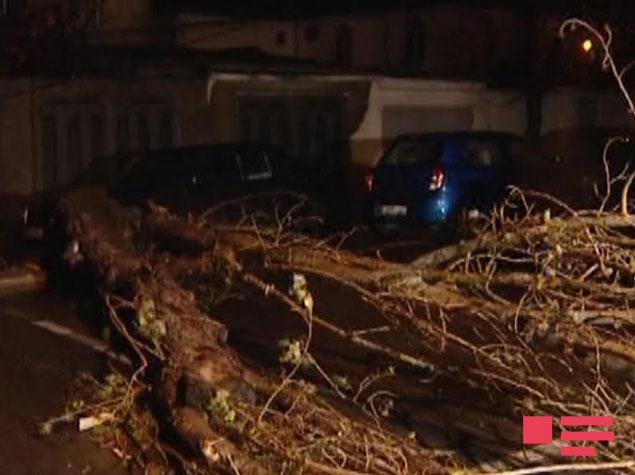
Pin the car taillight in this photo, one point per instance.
(369, 180)
(438, 176)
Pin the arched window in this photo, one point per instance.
(343, 46)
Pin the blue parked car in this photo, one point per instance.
(434, 178)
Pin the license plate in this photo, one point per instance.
(393, 210)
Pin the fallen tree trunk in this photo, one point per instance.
(197, 376)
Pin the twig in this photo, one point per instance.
(608, 180)
(298, 365)
(627, 186)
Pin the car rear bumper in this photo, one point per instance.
(435, 209)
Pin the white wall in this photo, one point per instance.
(561, 110)
(453, 37)
(216, 33)
(502, 111)
(377, 41)
(491, 110)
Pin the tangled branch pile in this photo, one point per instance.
(257, 349)
(260, 350)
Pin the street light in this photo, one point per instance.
(587, 45)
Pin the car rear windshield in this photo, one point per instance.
(415, 152)
(485, 153)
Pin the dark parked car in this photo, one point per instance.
(188, 180)
(192, 179)
(432, 178)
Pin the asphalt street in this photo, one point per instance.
(37, 366)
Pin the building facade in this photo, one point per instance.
(333, 90)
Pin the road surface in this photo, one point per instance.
(36, 369)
